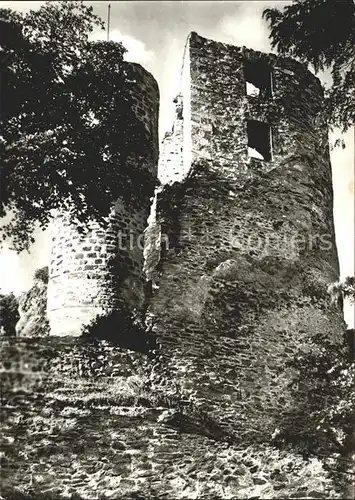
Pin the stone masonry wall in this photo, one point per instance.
(95, 272)
(91, 421)
(170, 157)
(242, 286)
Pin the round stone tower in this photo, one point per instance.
(96, 272)
(248, 245)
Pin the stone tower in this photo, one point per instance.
(82, 283)
(247, 208)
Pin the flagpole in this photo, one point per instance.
(108, 22)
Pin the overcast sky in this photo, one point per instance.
(154, 32)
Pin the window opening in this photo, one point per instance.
(259, 140)
(258, 78)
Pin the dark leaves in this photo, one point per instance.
(9, 315)
(322, 33)
(69, 135)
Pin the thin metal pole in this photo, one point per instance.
(108, 22)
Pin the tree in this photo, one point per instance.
(343, 289)
(42, 274)
(322, 33)
(320, 414)
(322, 398)
(338, 291)
(68, 128)
(9, 315)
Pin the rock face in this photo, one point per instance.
(33, 320)
(93, 273)
(243, 281)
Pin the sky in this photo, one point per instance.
(155, 32)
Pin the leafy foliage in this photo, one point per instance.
(323, 394)
(9, 315)
(322, 33)
(69, 135)
(344, 289)
(42, 274)
(323, 398)
(123, 329)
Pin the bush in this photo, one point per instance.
(122, 329)
(323, 399)
(9, 314)
(41, 274)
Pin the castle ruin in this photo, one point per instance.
(246, 206)
(239, 252)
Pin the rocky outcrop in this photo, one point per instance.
(33, 311)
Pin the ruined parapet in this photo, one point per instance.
(170, 165)
(243, 283)
(102, 269)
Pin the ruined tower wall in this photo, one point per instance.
(242, 286)
(82, 282)
(170, 158)
(175, 151)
